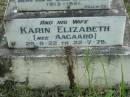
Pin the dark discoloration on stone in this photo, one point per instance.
(112, 57)
(116, 10)
(59, 52)
(70, 67)
(5, 64)
(127, 34)
(13, 44)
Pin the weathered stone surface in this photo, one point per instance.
(116, 10)
(28, 5)
(59, 31)
(51, 72)
(48, 67)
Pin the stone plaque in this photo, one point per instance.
(65, 31)
(35, 5)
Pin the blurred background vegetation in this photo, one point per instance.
(2, 8)
(127, 4)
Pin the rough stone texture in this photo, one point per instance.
(117, 9)
(48, 67)
(51, 72)
(61, 5)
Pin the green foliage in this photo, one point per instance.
(127, 4)
(88, 71)
(2, 8)
(104, 72)
(10, 89)
(109, 93)
(122, 84)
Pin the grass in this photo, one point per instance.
(122, 84)
(88, 71)
(9, 89)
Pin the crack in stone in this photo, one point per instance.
(70, 67)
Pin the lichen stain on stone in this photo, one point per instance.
(61, 61)
(112, 57)
(30, 59)
(70, 67)
(5, 64)
(12, 45)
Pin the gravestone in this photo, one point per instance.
(70, 28)
(28, 5)
(49, 43)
